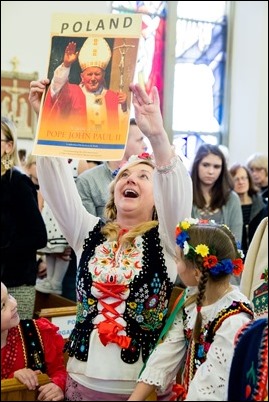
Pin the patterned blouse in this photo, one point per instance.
(205, 366)
(122, 293)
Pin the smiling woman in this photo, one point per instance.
(126, 268)
(137, 168)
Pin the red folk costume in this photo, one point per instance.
(34, 344)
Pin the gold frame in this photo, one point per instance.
(15, 104)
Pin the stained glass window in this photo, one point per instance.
(150, 61)
(198, 72)
(200, 59)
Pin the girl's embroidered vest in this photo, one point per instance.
(197, 352)
(146, 306)
(33, 345)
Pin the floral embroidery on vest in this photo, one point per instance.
(143, 289)
(197, 353)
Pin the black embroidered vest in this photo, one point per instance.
(146, 305)
(33, 345)
(207, 337)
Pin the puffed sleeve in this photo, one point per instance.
(53, 351)
(166, 359)
(173, 198)
(60, 192)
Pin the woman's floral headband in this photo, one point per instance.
(144, 156)
(133, 158)
(207, 254)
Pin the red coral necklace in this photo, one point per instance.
(11, 349)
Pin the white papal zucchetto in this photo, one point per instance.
(95, 52)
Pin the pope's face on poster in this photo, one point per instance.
(93, 78)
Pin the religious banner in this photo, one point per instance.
(85, 111)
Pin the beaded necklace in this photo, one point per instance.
(28, 336)
(11, 349)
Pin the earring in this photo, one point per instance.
(6, 161)
(154, 214)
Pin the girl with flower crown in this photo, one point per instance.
(200, 342)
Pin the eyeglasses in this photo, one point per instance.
(256, 169)
(4, 140)
(243, 178)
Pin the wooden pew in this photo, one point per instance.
(50, 300)
(13, 390)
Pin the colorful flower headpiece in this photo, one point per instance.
(206, 254)
(135, 158)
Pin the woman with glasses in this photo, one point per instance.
(252, 204)
(257, 163)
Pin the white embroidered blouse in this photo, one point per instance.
(105, 370)
(210, 382)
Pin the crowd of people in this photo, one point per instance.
(129, 230)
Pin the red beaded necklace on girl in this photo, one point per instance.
(11, 351)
